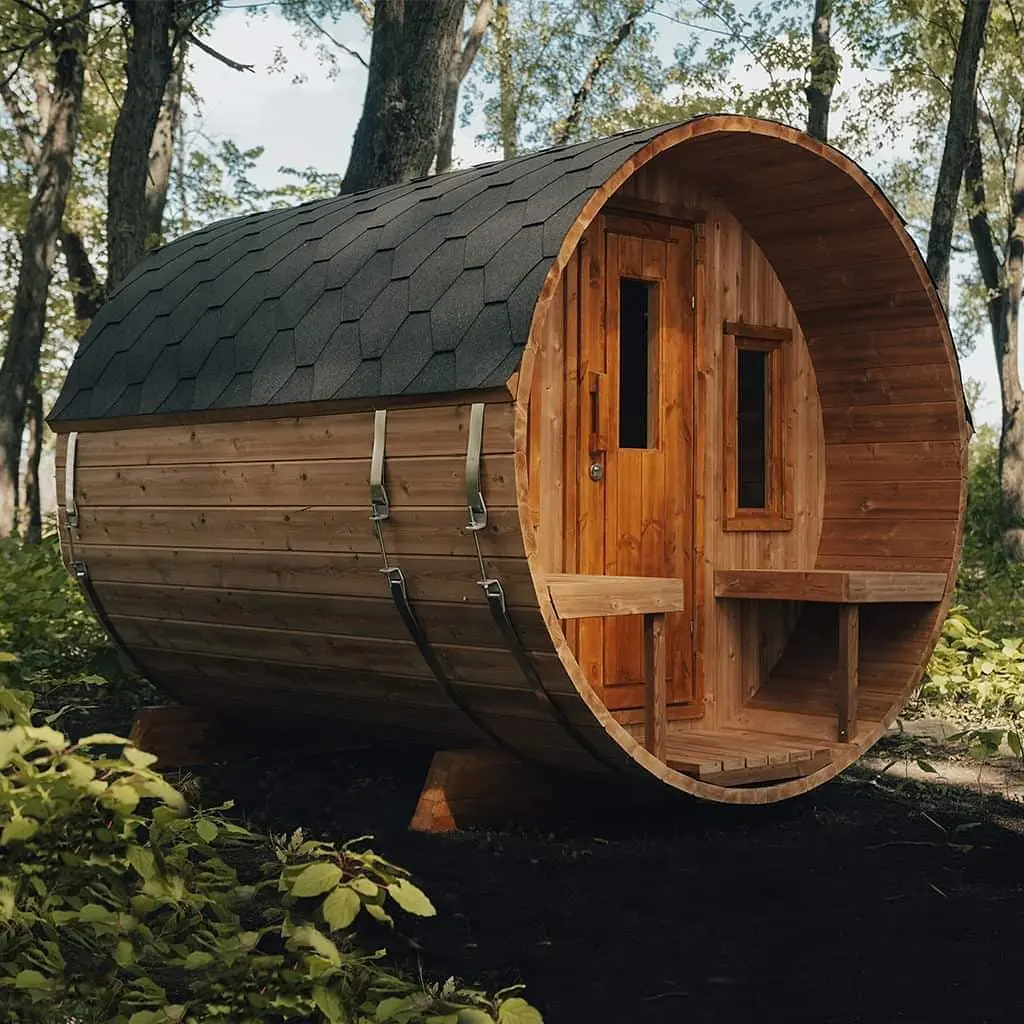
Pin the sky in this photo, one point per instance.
(312, 123)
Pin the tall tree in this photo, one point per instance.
(410, 53)
(823, 71)
(61, 32)
(960, 129)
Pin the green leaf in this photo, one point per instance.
(30, 980)
(316, 879)
(518, 1011)
(148, 1017)
(341, 908)
(143, 861)
(364, 886)
(378, 913)
(206, 830)
(123, 796)
(318, 942)
(329, 1005)
(927, 766)
(411, 899)
(105, 739)
(471, 1015)
(197, 959)
(139, 758)
(93, 913)
(387, 1008)
(18, 830)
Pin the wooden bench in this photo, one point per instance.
(585, 597)
(847, 589)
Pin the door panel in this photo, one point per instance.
(636, 472)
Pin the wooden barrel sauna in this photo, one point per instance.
(643, 458)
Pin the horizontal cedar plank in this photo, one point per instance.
(452, 623)
(417, 531)
(869, 708)
(368, 688)
(893, 538)
(894, 460)
(892, 499)
(931, 421)
(830, 586)
(410, 432)
(899, 310)
(838, 283)
(581, 596)
(433, 480)
(817, 727)
(894, 385)
(883, 563)
(838, 216)
(387, 657)
(769, 773)
(809, 253)
(850, 345)
(429, 578)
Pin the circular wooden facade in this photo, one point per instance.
(221, 486)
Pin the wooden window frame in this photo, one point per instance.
(777, 515)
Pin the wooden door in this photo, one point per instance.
(636, 486)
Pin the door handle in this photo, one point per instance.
(596, 391)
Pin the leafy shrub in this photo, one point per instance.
(63, 654)
(969, 668)
(989, 585)
(120, 906)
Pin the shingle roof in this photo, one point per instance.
(417, 288)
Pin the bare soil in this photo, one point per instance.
(871, 899)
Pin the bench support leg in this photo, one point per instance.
(655, 685)
(849, 653)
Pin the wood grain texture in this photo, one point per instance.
(829, 585)
(583, 597)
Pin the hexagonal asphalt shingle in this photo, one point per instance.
(416, 288)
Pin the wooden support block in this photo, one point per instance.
(185, 736)
(829, 585)
(480, 787)
(849, 653)
(655, 685)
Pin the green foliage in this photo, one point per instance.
(969, 667)
(118, 905)
(989, 585)
(62, 654)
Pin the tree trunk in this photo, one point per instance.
(32, 506)
(397, 135)
(506, 82)
(20, 366)
(150, 63)
(1002, 278)
(1011, 441)
(824, 71)
(962, 102)
(87, 291)
(161, 154)
(462, 60)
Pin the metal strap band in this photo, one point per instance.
(70, 464)
(378, 493)
(499, 612)
(474, 448)
(380, 513)
(400, 595)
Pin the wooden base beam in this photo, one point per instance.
(849, 658)
(464, 788)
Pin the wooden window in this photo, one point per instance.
(758, 483)
(638, 402)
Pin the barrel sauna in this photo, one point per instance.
(642, 458)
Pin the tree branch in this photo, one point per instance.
(597, 65)
(337, 42)
(233, 64)
(85, 286)
(22, 125)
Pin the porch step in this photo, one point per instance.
(736, 758)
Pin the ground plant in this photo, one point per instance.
(121, 905)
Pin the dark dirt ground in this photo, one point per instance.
(868, 900)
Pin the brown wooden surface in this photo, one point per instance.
(655, 685)
(849, 648)
(831, 585)
(579, 597)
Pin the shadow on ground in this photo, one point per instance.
(863, 901)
